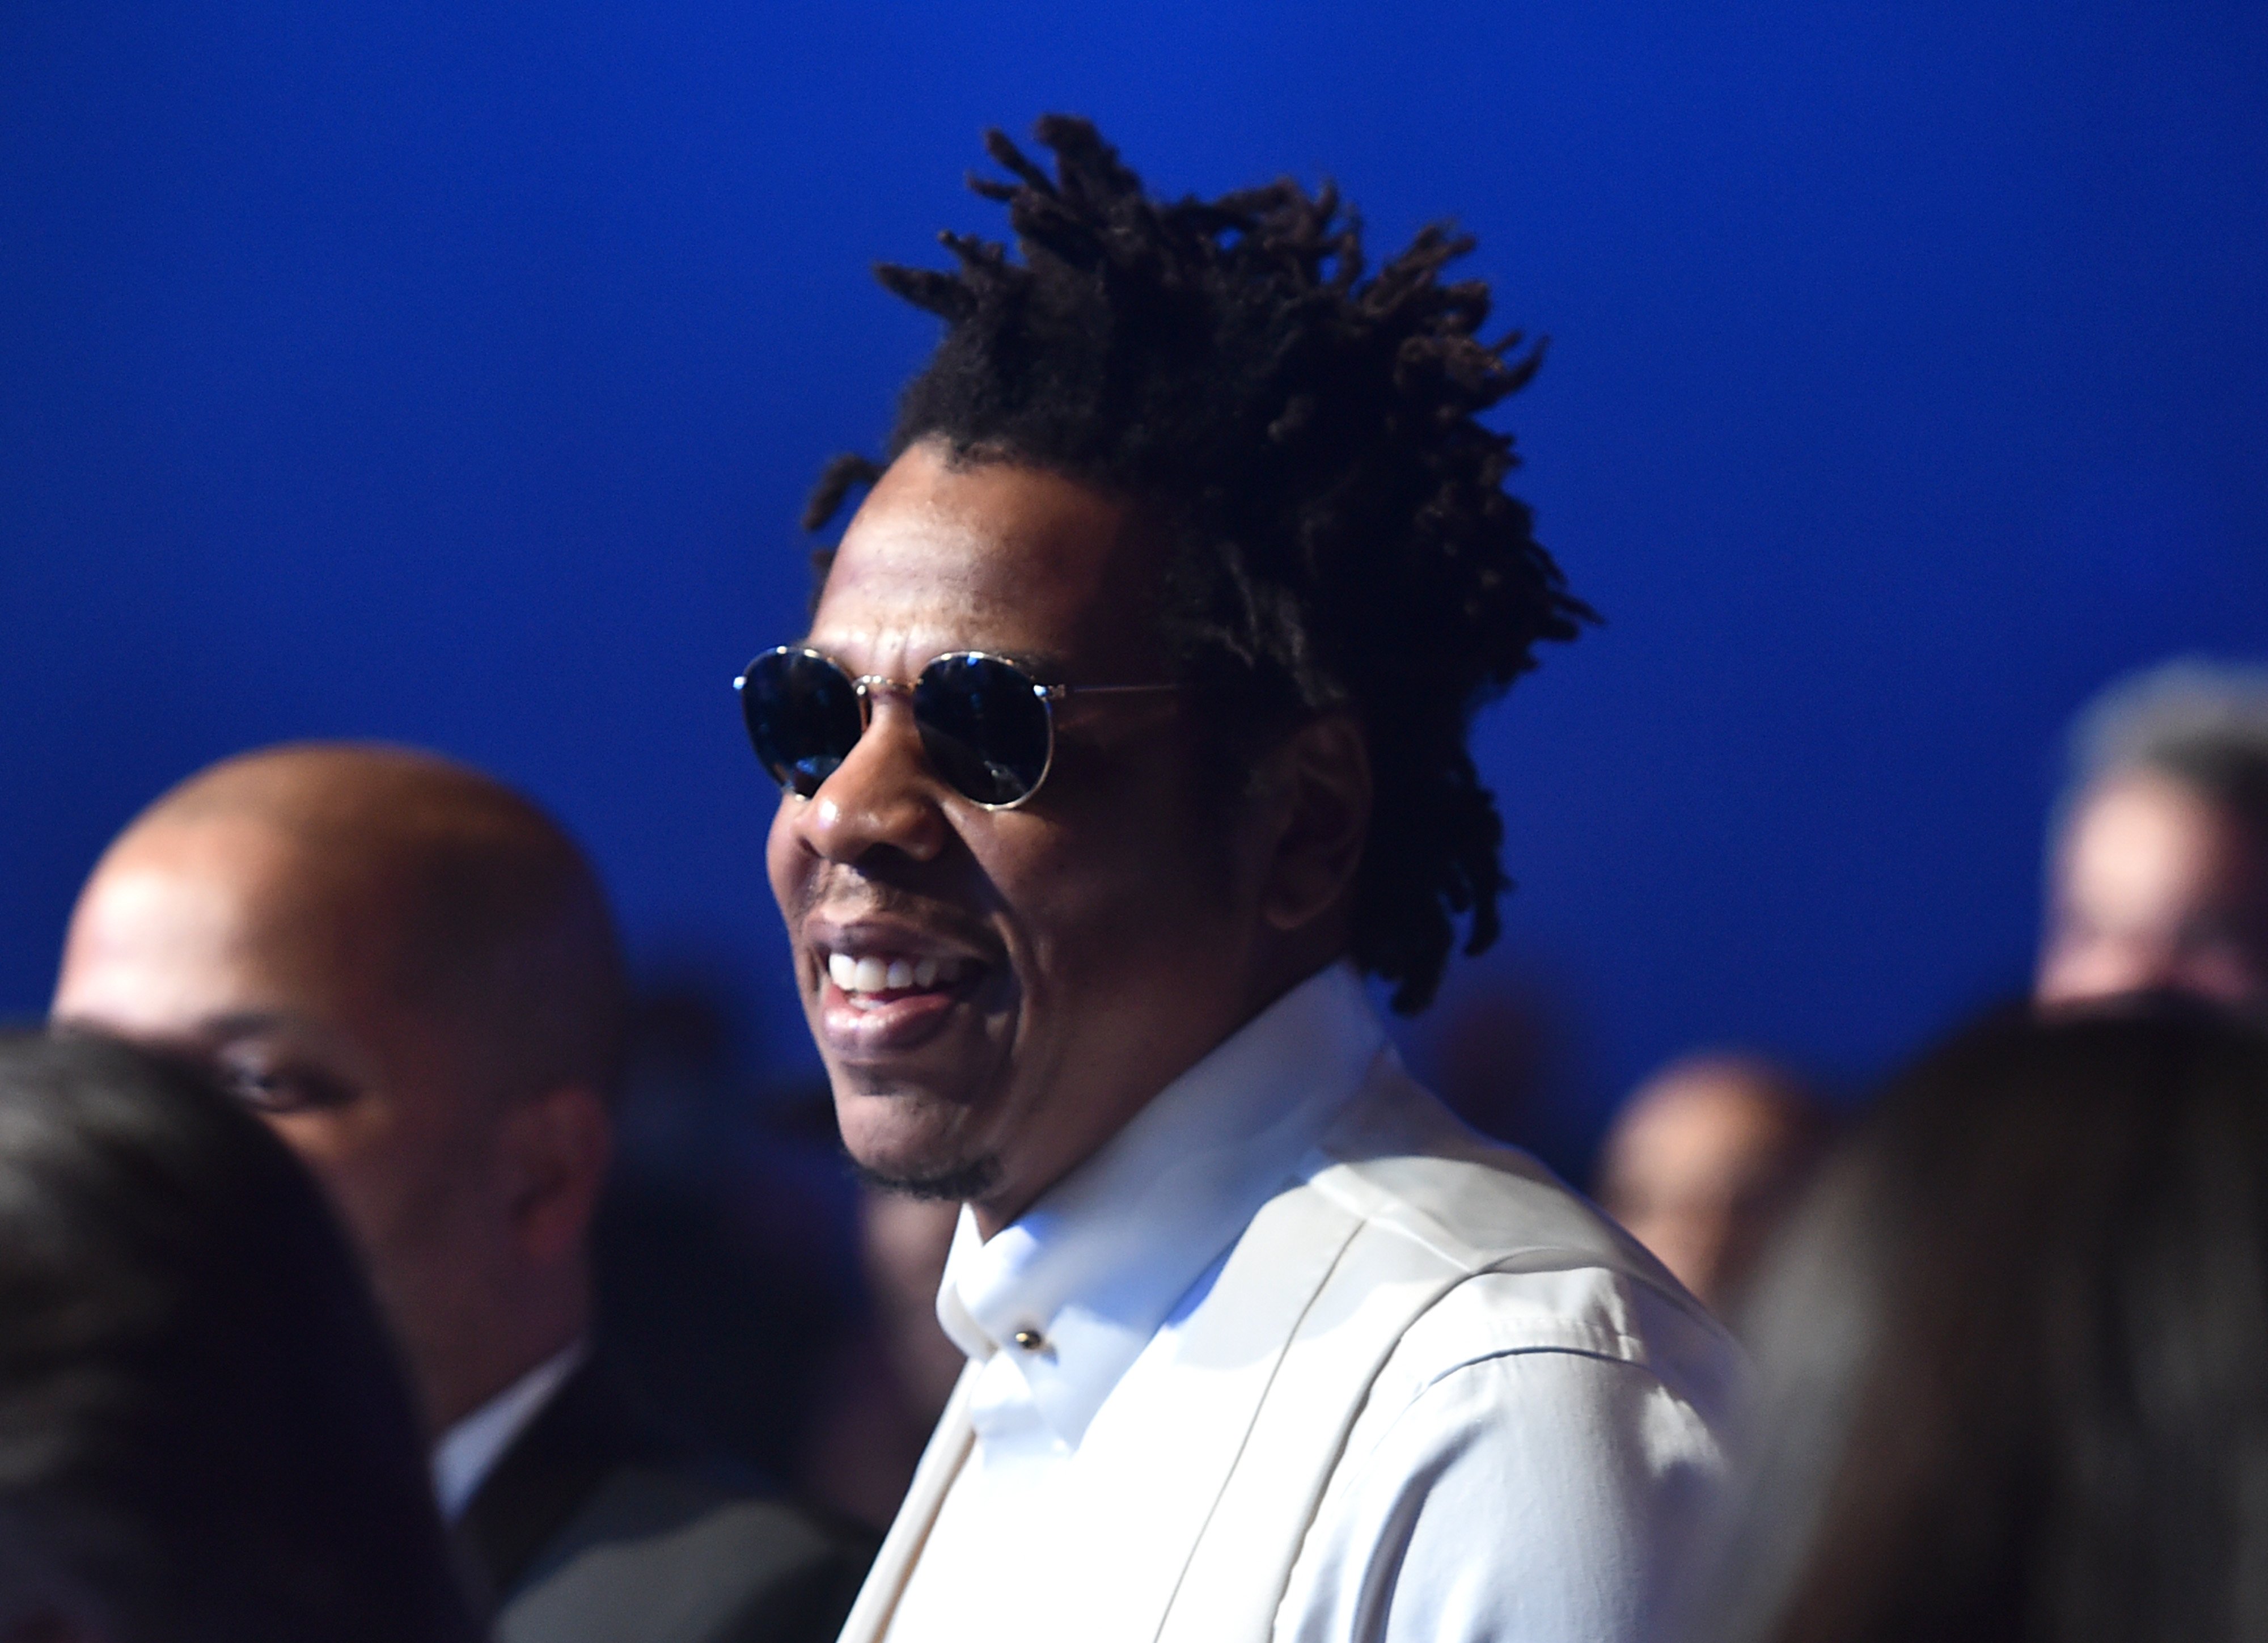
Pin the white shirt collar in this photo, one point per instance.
(1075, 1287)
(469, 1450)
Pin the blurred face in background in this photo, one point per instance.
(229, 942)
(2155, 886)
(1704, 1162)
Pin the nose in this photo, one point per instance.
(882, 797)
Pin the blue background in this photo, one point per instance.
(453, 371)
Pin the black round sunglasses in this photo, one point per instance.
(988, 726)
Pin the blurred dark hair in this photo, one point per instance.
(203, 1436)
(2014, 1353)
(1311, 441)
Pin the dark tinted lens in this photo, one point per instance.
(803, 716)
(985, 728)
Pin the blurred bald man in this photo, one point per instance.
(2157, 866)
(1704, 1162)
(409, 971)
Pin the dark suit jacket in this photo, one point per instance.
(591, 1529)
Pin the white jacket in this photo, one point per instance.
(1410, 1250)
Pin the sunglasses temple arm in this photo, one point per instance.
(1057, 693)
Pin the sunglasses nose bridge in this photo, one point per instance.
(868, 686)
(872, 688)
(881, 793)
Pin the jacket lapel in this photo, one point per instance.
(1162, 1449)
(947, 1452)
(1165, 1446)
(1266, 1503)
(542, 1480)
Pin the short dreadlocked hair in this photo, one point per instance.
(1311, 441)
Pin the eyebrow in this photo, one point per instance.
(246, 1023)
(212, 1031)
(1045, 667)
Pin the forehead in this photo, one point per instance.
(987, 556)
(1703, 1117)
(188, 922)
(2142, 837)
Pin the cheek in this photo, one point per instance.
(354, 1155)
(786, 865)
(397, 1182)
(1119, 896)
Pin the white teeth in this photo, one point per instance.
(872, 975)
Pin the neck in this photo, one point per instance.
(515, 1340)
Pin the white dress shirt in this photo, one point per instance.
(1518, 1493)
(469, 1450)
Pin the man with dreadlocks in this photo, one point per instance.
(1129, 733)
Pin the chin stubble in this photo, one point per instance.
(960, 1184)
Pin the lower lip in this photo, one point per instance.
(893, 1026)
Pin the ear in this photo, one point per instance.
(1313, 804)
(557, 1146)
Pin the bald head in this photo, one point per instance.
(465, 900)
(410, 970)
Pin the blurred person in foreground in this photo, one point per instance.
(1128, 730)
(2011, 1352)
(204, 1437)
(1705, 1161)
(408, 971)
(2157, 874)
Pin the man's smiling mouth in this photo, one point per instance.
(871, 978)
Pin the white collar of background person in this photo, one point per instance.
(469, 1450)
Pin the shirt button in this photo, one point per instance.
(1030, 1340)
